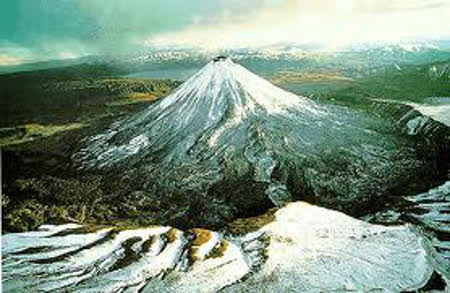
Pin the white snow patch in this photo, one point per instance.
(307, 248)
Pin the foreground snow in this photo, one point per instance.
(436, 108)
(303, 248)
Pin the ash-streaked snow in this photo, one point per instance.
(436, 108)
(304, 249)
(226, 123)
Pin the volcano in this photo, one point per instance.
(229, 143)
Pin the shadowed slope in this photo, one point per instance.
(226, 126)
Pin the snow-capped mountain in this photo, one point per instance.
(226, 124)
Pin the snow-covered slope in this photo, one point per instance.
(431, 212)
(226, 123)
(207, 108)
(302, 249)
(436, 108)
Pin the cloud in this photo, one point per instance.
(13, 54)
(36, 31)
(68, 55)
(7, 60)
(332, 23)
(47, 49)
(417, 4)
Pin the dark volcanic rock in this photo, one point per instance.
(227, 143)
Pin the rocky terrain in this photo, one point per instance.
(165, 185)
(293, 251)
(44, 116)
(227, 132)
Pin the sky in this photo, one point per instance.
(37, 30)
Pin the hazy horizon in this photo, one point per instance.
(40, 30)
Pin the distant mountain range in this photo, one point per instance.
(282, 56)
